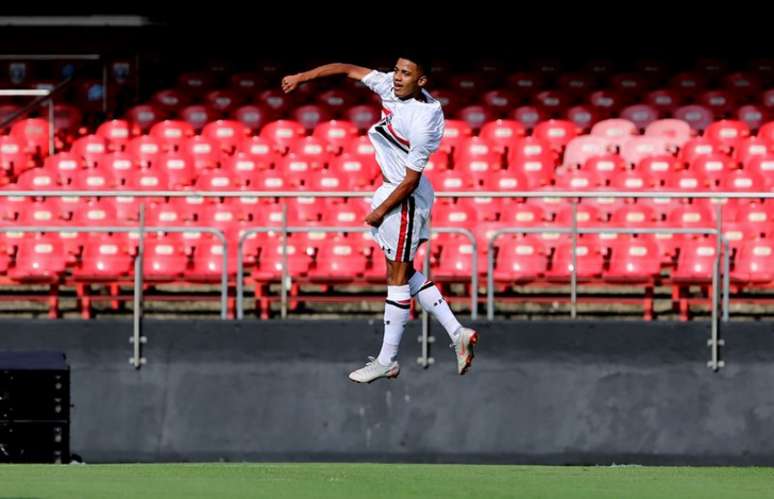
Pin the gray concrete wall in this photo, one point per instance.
(539, 392)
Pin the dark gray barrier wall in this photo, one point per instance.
(539, 392)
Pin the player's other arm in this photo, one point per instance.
(290, 82)
(402, 191)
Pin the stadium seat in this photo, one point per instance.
(588, 261)
(698, 117)
(205, 152)
(335, 134)
(642, 115)
(754, 263)
(282, 133)
(556, 133)
(171, 134)
(117, 134)
(253, 116)
(228, 134)
(633, 260)
(144, 150)
(676, 132)
(198, 116)
(163, 260)
(520, 260)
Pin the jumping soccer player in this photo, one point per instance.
(410, 131)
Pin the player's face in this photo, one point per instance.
(408, 80)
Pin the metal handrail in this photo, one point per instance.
(124, 229)
(293, 230)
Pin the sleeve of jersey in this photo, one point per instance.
(425, 139)
(380, 83)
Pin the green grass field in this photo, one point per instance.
(389, 481)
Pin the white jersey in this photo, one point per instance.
(409, 132)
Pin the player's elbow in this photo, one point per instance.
(411, 180)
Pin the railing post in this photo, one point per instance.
(285, 274)
(573, 272)
(425, 339)
(138, 339)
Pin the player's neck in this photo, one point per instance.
(418, 95)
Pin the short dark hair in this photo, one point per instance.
(422, 60)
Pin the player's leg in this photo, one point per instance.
(394, 236)
(429, 296)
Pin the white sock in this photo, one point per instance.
(396, 315)
(428, 295)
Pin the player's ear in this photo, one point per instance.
(422, 81)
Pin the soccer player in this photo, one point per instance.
(410, 130)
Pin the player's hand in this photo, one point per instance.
(374, 219)
(291, 82)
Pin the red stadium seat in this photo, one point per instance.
(339, 260)
(312, 150)
(169, 101)
(336, 134)
(163, 260)
(33, 134)
(581, 149)
(529, 116)
(13, 158)
(719, 102)
(754, 263)
(520, 260)
(641, 115)
(116, 132)
(694, 265)
(698, 117)
(39, 259)
(588, 261)
(712, 167)
(222, 101)
(363, 116)
(252, 116)
(198, 116)
(617, 130)
(358, 173)
(637, 148)
(633, 260)
(475, 116)
(676, 132)
(171, 134)
(66, 166)
(729, 134)
(658, 168)
(204, 152)
(557, 133)
(751, 115)
(104, 259)
(228, 134)
(311, 115)
(282, 133)
(455, 131)
(664, 101)
(145, 151)
(142, 117)
(178, 168)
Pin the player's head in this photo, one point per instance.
(411, 75)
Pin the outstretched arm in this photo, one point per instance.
(290, 82)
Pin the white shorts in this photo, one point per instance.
(405, 225)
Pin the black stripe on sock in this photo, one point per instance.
(428, 284)
(396, 304)
(407, 251)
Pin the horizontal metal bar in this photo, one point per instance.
(32, 92)
(366, 194)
